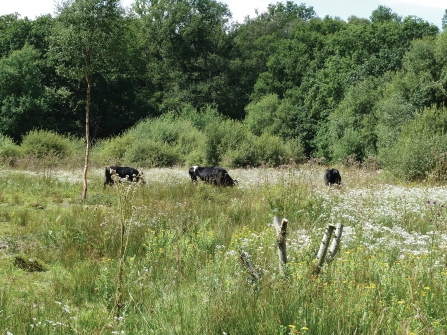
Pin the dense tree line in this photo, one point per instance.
(342, 89)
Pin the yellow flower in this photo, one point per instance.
(400, 302)
(304, 328)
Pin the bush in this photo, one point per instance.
(224, 138)
(419, 146)
(42, 143)
(352, 126)
(270, 150)
(191, 146)
(273, 115)
(295, 151)
(9, 151)
(112, 149)
(242, 156)
(150, 153)
(214, 134)
(199, 119)
(393, 113)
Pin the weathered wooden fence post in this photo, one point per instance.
(281, 232)
(246, 263)
(323, 249)
(335, 242)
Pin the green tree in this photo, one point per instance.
(14, 33)
(352, 124)
(444, 20)
(290, 11)
(21, 93)
(383, 14)
(185, 44)
(420, 147)
(255, 41)
(271, 115)
(86, 42)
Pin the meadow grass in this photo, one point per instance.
(171, 249)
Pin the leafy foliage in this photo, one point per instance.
(339, 89)
(21, 92)
(41, 144)
(420, 146)
(9, 151)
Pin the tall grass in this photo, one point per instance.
(180, 268)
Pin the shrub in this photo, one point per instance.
(419, 146)
(270, 150)
(191, 146)
(295, 151)
(393, 113)
(199, 119)
(224, 138)
(352, 125)
(242, 156)
(273, 115)
(9, 151)
(150, 153)
(214, 134)
(42, 143)
(113, 148)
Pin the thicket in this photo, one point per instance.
(418, 151)
(195, 88)
(165, 141)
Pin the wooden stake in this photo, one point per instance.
(335, 242)
(281, 232)
(323, 249)
(246, 263)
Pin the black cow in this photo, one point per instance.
(123, 172)
(211, 174)
(332, 176)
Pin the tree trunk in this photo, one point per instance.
(88, 78)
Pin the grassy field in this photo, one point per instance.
(163, 258)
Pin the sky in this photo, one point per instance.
(428, 10)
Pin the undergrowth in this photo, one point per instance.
(163, 258)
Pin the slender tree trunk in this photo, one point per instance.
(87, 133)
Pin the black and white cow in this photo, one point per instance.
(211, 174)
(123, 172)
(332, 176)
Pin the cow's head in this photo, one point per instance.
(193, 172)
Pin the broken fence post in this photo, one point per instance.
(323, 249)
(335, 242)
(281, 232)
(246, 263)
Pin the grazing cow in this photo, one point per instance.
(332, 176)
(123, 172)
(211, 174)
